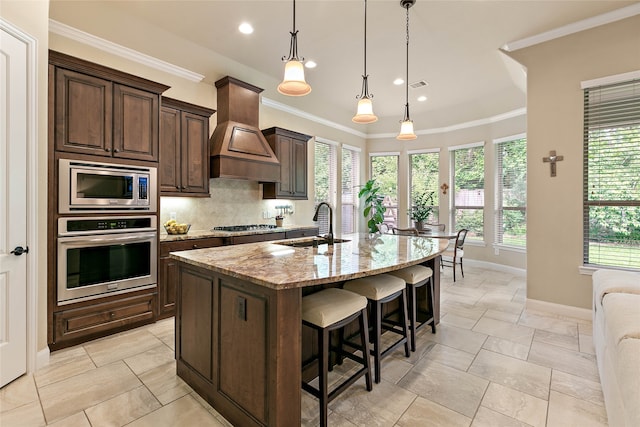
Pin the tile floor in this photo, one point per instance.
(491, 363)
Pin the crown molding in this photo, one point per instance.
(300, 113)
(465, 125)
(575, 27)
(122, 51)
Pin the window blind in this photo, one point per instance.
(350, 189)
(468, 190)
(611, 193)
(425, 178)
(384, 169)
(511, 192)
(325, 177)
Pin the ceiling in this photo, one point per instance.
(454, 46)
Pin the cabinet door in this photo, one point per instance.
(169, 168)
(195, 153)
(135, 123)
(83, 112)
(284, 149)
(299, 169)
(168, 277)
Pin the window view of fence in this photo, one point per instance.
(467, 165)
(384, 169)
(511, 193)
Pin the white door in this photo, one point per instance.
(13, 207)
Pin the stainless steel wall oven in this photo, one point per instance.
(100, 256)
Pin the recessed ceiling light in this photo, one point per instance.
(310, 64)
(245, 28)
(398, 82)
(422, 98)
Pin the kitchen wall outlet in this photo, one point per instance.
(496, 251)
(172, 215)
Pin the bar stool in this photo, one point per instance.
(380, 289)
(415, 277)
(326, 311)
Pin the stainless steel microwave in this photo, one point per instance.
(86, 187)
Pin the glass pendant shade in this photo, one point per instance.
(294, 83)
(406, 131)
(365, 112)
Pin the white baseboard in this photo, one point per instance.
(42, 358)
(493, 266)
(560, 309)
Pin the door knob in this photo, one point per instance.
(19, 250)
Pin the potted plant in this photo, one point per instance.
(422, 208)
(373, 207)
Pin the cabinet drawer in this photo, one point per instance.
(185, 245)
(103, 317)
(251, 238)
(307, 232)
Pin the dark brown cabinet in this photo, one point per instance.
(81, 324)
(104, 112)
(184, 149)
(168, 271)
(291, 150)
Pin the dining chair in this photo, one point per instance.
(405, 231)
(454, 256)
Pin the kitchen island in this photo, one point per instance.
(239, 336)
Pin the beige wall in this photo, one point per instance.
(33, 20)
(554, 121)
(481, 251)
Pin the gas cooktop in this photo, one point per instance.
(249, 227)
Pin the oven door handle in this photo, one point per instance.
(109, 238)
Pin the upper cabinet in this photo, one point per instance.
(103, 112)
(291, 150)
(184, 149)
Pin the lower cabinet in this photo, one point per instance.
(81, 324)
(168, 271)
(168, 267)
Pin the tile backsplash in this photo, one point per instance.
(232, 202)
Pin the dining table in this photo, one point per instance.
(438, 234)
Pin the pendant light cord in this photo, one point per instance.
(294, 17)
(406, 109)
(293, 45)
(365, 38)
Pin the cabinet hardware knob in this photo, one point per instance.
(116, 150)
(195, 246)
(107, 149)
(112, 315)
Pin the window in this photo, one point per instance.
(611, 216)
(384, 169)
(325, 181)
(511, 192)
(425, 178)
(350, 188)
(467, 167)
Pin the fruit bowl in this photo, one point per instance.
(177, 228)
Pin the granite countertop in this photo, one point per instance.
(203, 234)
(278, 266)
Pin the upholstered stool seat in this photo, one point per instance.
(326, 311)
(380, 289)
(415, 277)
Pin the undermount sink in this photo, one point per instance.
(310, 243)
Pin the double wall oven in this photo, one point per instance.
(112, 247)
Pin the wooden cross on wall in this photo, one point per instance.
(552, 159)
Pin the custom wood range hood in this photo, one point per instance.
(238, 148)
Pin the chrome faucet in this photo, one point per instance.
(329, 236)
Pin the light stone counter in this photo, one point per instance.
(203, 234)
(277, 266)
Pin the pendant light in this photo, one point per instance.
(294, 83)
(406, 127)
(364, 113)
